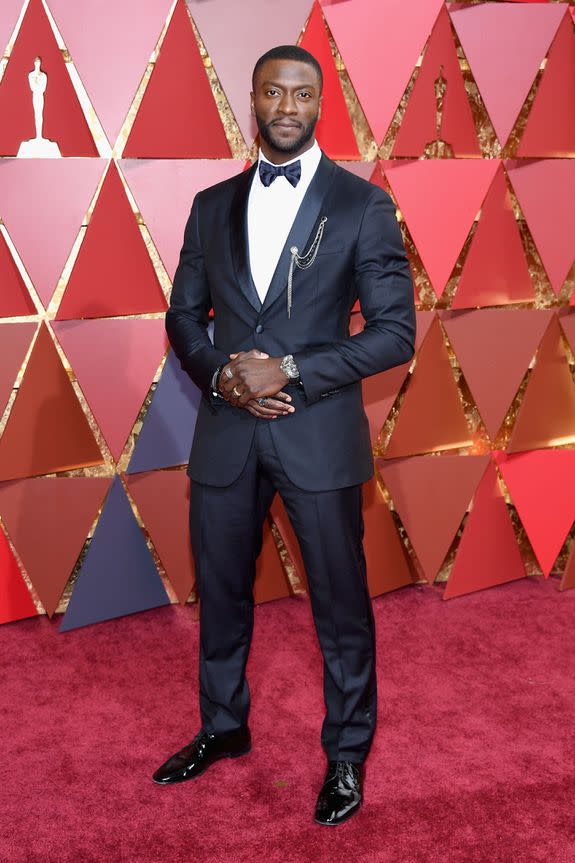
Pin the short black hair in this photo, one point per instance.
(289, 52)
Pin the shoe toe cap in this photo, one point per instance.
(175, 769)
(333, 808)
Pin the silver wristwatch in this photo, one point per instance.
(289, 368)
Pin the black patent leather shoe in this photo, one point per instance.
(341, 793)
(195, 758)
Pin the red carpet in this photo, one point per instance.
(473, 760)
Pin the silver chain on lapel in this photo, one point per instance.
(303, 261)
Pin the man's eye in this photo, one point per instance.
(306, 94)
(272, 92)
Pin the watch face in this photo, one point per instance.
(289, 367)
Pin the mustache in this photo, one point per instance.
(290, 123)
(305, 131)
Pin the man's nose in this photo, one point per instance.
(287, 104)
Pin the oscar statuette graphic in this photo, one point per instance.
(38, 146)
(439, 149)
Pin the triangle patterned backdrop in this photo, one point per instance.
(464, 112)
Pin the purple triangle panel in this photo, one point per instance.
(166, 435)
(118, 575)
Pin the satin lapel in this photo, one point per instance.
(239, 239)
(307, 215)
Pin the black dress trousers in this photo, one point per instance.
(226, 528)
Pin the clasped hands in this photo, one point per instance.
(255, 374)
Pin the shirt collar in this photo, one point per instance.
(309, 160)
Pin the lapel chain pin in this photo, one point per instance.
(303, 261)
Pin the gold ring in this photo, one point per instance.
(235, 392)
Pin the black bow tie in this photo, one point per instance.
(269, 172)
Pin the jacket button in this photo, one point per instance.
(259, 328)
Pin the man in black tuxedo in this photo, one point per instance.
(281, 252)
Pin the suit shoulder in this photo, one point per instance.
(363, 189)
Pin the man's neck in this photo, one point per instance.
(277, 157)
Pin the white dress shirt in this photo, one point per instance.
(271, 213)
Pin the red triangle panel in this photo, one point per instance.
(47, 430)
(164, 189)
(439, 199)
(63, 118)
(487, 553)
(334, 131)
(431, 396)
(380, 44)
(58, 192)
(494, 349)
(495, 271)
(547, 413)
(15, 600)
(380, 391)
(431, 495)
(491, 33)
(48, 521)
(14, 343)
(550, 129)
(129, 31)
(545, 189)
(178, 117)
(541, 486)
(419, 124)
(113, 273)
(115, 363)
(388, 564)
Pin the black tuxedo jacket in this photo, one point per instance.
(325, 443)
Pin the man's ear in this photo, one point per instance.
(319, 108)
(252, 107)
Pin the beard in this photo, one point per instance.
(266, 131)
